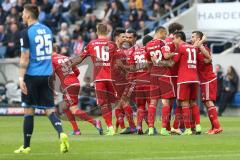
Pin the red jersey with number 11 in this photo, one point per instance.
(101, 52)
(188, 57)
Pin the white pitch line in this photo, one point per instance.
(188, 157)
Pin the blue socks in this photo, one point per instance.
(56, 123)
(27, 129)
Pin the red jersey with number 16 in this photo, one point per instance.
(67, 76)
(188, 57)
(101, 52)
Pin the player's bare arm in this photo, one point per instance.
(166, 63)
(168, 55)
(207, 60)
(76, 60)
(23, 64)
(203, 50)
(126, 68)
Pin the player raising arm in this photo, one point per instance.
(101, 52)
(208, 81)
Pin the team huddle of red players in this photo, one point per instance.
(164, 67)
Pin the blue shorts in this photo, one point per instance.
(40, 92)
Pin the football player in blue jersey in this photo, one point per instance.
(34, 73)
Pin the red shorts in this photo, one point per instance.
(209, 90)
(120, 89)
(161, 87)
(70, 95)
(142, 94)
(187, 91)
(105, 92)
(174, 82)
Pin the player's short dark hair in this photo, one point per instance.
(118, 31)
(56, 48)
(198, 33)
(173, 27)
(146, 39)
(33, 9)
(133, 31)
(180, 34)
(160, 28)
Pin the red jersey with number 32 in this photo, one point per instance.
(188, 57)
(205, 70)
(137, 57)
(101, 52)
(156, 48)
(67, 76)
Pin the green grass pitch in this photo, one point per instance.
(91, 146)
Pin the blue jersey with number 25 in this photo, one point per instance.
(38, 39)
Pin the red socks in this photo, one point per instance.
(178, 117)
(165, 116)
(212, 114)
(129, 114)
(107, 115)
(84, 116)
(119, 113)
(140, 115)
(71, 119)
(186, 116)
(196, 114)
(151, 115)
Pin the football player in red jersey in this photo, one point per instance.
(70, 86)
(208, 81)
(127, 94)
(101, 52)
(161, 85)
(119, 76)
(178, 122)
(137, 58)
(187, 84)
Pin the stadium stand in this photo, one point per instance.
(73, 23)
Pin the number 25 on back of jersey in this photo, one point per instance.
(43, 46)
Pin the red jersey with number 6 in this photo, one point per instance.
(137, 57)
(67, 76)
(101, 52)
(188, 57)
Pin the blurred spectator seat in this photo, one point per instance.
(236, 100)
(3, 50)
(13, 93)
(3, 98)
